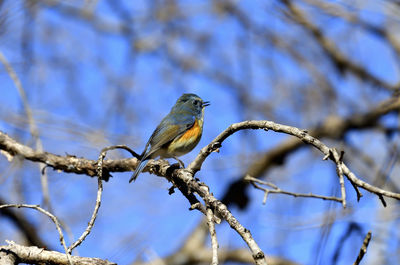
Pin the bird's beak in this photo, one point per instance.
(206, 103)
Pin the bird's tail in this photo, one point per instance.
(138, 169)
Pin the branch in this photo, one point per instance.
(363, 248)
(339, 172)
(275, 189)
(213, 235)
(89, 167)
(186, 176)
(100, 162)
(34, 255)
(333, 127)
(203, 191)
(98, 202)
(300, 134)
(68, 163)
(188, 185)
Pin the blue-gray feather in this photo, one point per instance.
(181, 117)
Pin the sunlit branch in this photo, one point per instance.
(213, 235)
(16, 254)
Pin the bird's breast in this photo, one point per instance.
(188, 140)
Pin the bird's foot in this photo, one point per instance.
(181, 164)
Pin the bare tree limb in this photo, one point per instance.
(68, 163)
(184, 180)
(213, 235)
(203, 191)
(35, 255)
(302, 135)
(81, 165)
(186, 175)
(275, 189)
(333, 127)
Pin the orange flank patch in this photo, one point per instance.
(192, 133)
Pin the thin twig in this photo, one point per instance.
(51, 216)
(99, 191)
(213, 235)
(98, 202)
(276, 189)
(363, 248)
(133, 153)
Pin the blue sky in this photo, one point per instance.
(90, 89)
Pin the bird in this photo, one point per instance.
(178, 132)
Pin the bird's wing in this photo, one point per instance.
(170, 127)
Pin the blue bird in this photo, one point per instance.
(177, 134)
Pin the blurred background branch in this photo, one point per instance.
(104, 72)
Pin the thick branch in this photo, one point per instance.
(35, 255)
(68, 163)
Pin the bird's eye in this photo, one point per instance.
(196, 102)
